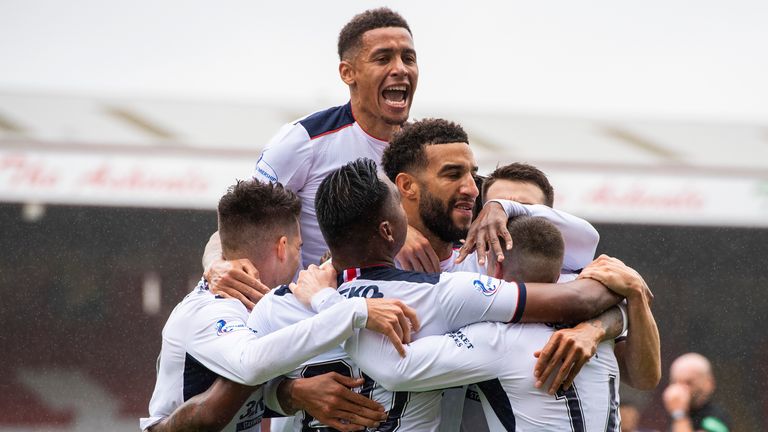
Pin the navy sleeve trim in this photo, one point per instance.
(328, 121)
(522, 293)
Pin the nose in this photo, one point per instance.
(469, 187)
(398, 67)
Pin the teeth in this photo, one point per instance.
(396, 88)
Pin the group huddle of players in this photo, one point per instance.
(399, 329)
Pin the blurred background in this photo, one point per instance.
(121, 124)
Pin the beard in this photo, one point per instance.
(436, 216)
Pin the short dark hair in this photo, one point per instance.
(525, 173)
(406, 150)
(348, 201)
(537, 250)
(352, 33)
(251, 211)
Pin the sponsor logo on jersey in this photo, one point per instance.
(365, 291)
(266, 171)
(461, 340)
(223, 327)
(488, 288)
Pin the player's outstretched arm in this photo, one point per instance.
(569, 349)
(569, 302)
(209, 411)
(236, 279)
(580, 237)
(432, 362)
(639, 356)
(227, 347)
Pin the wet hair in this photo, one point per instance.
(349, 203)
(524, 173)
(537, 250)
(255, 213)
(406, 150)
(351, 34)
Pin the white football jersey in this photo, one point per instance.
(206, 336)
(304, 152)
(444, 302)
(499, 358)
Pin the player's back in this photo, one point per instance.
(512, 402)
(406, 411)
(184, 371)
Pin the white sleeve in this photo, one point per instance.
(465, 298)
(325, 298)
(431, 362)
(226, 346)
(270, 395)
(580, 237)
(287, 158)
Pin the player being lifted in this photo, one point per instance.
(206, 335)
(378, 64)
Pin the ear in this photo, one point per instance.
(347, 72)
(282, 249)
(386, 232)
(407, 186)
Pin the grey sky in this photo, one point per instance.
(682, 59)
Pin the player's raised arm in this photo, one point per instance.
(490, 226)
(639, 355)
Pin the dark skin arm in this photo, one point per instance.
(571, 348)
(570, 302)
(209, 411)
(639, 355)
(328, 398)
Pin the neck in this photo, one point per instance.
(371, 124)
(442, 248)
(342, 261)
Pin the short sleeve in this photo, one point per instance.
(286, 159)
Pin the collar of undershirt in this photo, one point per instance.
(350, 274)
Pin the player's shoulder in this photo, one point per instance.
(280, 308)
(327, 121)
(200, 308)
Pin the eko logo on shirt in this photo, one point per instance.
(365, 291)
(488, 288)
(223, 327)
